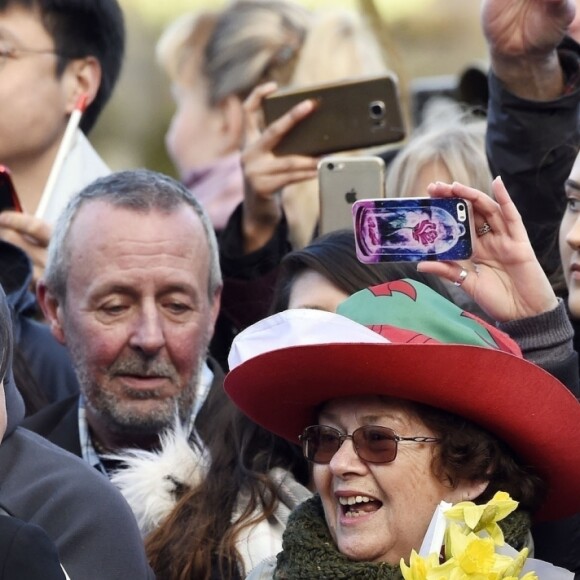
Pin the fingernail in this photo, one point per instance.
(305, 106)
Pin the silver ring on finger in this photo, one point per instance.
(484, 229)
(462, 276)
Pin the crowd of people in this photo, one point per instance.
(196, 385)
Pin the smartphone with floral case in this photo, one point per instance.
(411, 229)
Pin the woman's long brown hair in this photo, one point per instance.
(198, 539)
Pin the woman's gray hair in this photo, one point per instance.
(140, 190)
(253, 42)
(450, 135)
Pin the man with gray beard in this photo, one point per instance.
(132, 286)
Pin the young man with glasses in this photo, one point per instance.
(51, 54)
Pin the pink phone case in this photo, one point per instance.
(413, 229)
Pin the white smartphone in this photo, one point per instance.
(342, 180)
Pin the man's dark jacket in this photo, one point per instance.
(88, 520)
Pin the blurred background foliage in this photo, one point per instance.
(421, 38)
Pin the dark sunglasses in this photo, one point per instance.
(372, 443)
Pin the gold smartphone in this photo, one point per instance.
(342, 180)
(352, 114)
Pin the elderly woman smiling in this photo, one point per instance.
(402, 400)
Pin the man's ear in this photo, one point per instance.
(52, 311)
(82, 77)
(232, 124)
(215, 309)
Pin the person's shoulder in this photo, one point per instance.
(40, 468)
(51, 415)
(58, 423)
(26, 551)
(80, 509)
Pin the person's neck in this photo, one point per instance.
(106, 441)
(30, 175)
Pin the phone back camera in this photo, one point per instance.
(461, 212)
(330, 166)
(377, 110)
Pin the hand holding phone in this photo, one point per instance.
(8, 196)
(351, 114)
(21, 229)
(413, 229)
(265, 175)
(503, 276)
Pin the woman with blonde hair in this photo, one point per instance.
(252, 42)
(448, 146)
(215, 59)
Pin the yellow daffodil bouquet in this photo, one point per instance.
(474, 547)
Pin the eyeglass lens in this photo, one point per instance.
(372, 443)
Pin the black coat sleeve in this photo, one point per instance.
(532, 146)
(26, 552)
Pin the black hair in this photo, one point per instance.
(198, 541)
(333, 256)
(82, 28)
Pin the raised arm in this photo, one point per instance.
(265, 173)
(532, 132)
(523, 36)
(505, 278)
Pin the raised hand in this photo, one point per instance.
(265, 173)
(522, 36)
(525, 27)
(503, 276)
(29, 233)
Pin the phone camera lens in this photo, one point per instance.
(330, 166)
(377, 110)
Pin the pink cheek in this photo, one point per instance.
(106, 349)
(322, 478)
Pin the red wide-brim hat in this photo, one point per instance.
(286, 366)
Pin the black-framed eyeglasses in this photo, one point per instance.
(372, 443)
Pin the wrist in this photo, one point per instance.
(535, 78)
(260, 218)
(262, 210)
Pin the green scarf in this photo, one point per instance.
(308, 551)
